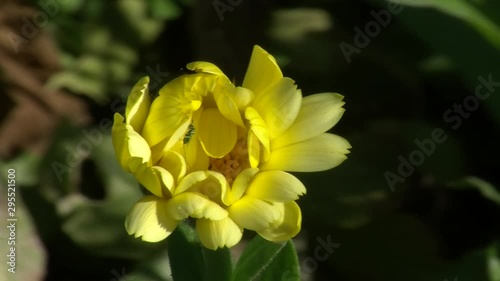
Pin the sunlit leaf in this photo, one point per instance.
(189, 260)
(284, 267)
(264, 260)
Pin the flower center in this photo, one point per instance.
(233, 163)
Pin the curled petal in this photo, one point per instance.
(195, 205)
(320, 153)
(155, 179)
(254, 152)
(174, 163)
(225, 98)
(187, 90)
(138, 104)
(258, 126)
(253, 213)
(262, 71)
(318, 114)
(241, 183)
(279, 105)
(149, 220)
(216, 133)
(287, 227)
(211, 184)
(206, 67)
(166, 180)
(128, 143)
(218, 234)
(276, 186)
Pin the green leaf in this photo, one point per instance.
(184, 252)
(92, 194)
(164, 9)
(189, 260)
(466, 11)
(473, 51)
(264, 260)
(493, 263)
(26, 165)
(218, 265)
(486, 189)
(135, 12)
(285, 266)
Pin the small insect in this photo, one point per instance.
(189, 134)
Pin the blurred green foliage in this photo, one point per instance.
(439, 223)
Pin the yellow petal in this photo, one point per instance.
(157, 181)
(264, 155)
(279, 105)
(157, 151)
(187, 89)
(253, 149)
(217, 134)
(242, 97)
(138, 104)
(174, 163)
(258, 126)
(224, 98)
(276, 186)
(320, 153)
(195, 205)
(253, 213)
(196, 158)
(166, 180)
(149, 220)
(241, 183)
(318, 114)
(218, 234)
(128, 143)
(287, 227)
(206, 67)
(262, 71)
(211, 184)
(179, 134)
(166, 115)
(177, 101)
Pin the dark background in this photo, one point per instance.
(66, 66)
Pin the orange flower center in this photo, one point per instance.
(233, 163)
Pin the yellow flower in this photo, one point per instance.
(218, 153)
(150, 218)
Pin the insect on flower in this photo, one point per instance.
(189, 134)
(222, 154)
